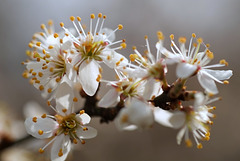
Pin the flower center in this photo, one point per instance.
(68, 124)
(91, 49)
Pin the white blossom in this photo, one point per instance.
(135, 114)
(92, 48)
(194, 119)
(192, 61)
(63, 128)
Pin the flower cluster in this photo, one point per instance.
(140, 96)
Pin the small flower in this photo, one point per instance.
(93, 48)
(65, 127)
(50, 61)
(135, 114)
(194, 119)
(191, 61)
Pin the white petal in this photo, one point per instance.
(87, 134)
(185, 70)
(66, 45)
(32, 108)
(88, 73)
(180, 134)
(207, 83)
(152, 88)
(114, 58)
(108, 31)
(220, 74)
(109, 98)
(169, 119)
(47, 125)
(62, 142)
(64, 98)
(83, 118)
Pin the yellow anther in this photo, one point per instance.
(121, 59)
(195, 45)
(50, 22)
(100, 70)
(200, 40)
(82, 112)
(188, 143)
(62, 24)
(210, 94)
(64, 110)
(207, 134)
(75, 99)
(49, 90)
(182, 40)
(78, 18)
(133, 57)
(48, 103)
(75, 141)
(210, 122)
(48, 56)
(30, 45)
(50, 47)
(92, 16)
(44, 67)
(41, 150)
(199, 146)
(38, 43)
(214, 116)
(55, 35)
(51, 69)
(28, 53)
(171, 37)
(207, 138)
(60, 153)
(123, 45)
(40, 74)
(209, 54)
(100, 15)
(41, 87)
(214, 107)
(44, 51)
(25, 74)
(160, 35)
(108, 57)
(85, 129)
(34, 73)
(208, 45)
(104, 16)
(99, 78)
(34, 119)
(83, 141)
(40, 132)
(37, 81)
(61, 41)
(124, 118)
(223, 61)
(118, 63)
(44, 116)
(66, 34)
(193, 35)
(42, 26)
(120, 27)
(124, 40)
(134, 47)
(145, 37)
(72, 18)
(226, 82)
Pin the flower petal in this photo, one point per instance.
(152, 88)
(86, 134)
(46, 125)
(109, 98)
(220, 74)
(64, 98)
(169, 119)
(206, 82)
(185, 70)
(180, 134)
(88, 73)
(62, 142)
(83, 118)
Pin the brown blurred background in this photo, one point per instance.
(216, 21)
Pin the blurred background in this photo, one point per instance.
(216, 21)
